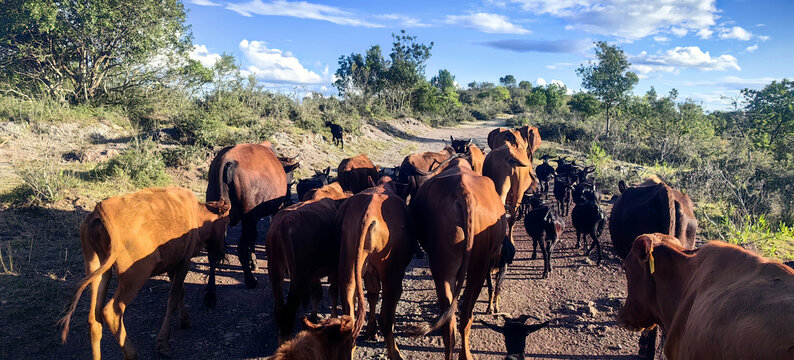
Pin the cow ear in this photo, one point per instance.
(219, 207)
(622, 186)
(643, 247)
(327, 171)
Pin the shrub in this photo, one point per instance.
(183, 156)
(42, 182)
(140, 163)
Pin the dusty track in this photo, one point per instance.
(579, 298)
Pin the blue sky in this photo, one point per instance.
(704, 48)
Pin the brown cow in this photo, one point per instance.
(718, 302)
(143, 234)
(512, 175)
(300, 242)
(376, 235)
(416, 168)
(355, 173)
(529, 135)
(331, 191)
(650, 207)
(461, 223)
(331, 339)
(254, 181)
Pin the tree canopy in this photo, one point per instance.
(608, 79)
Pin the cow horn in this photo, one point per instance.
(469, 143)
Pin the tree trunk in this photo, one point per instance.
(608, 106)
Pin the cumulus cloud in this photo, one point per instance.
(736, 32)
(751, 48)
(541, 82)
(559, 65)
(661, 38)
(763, 37)
(486, 22)
(204, 3)
(705, 33)
(275, 66)
(202, 55)
(299, 9)
(629, 19)
(548, 46)
(689, 57)
(403, 20)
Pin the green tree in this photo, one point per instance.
(584, 103)
(555, 98)
(82, 51)
(536, 98)
(608, 79)
(525, 85)
(508, 81)
(407, 71)
(444, 80)
(362, 74)
(770, 117)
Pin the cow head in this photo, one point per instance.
(336, 333)
(322, 176)
(460, 146)
(622, 186)
(214, 230)
(641, 306)
(515, 333)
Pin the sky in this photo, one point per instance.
(706, 49)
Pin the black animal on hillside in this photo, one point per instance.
(460, 146)
(337, 133)
(588, 218)
(563, 192)
(320, 179)
(515, 333)
(545, 227)
(545, 173)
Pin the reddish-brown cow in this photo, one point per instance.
(529, 135)
(254, 181)
(143, 234)
(376, 235)
(416, 168)
(461, 223)
(718, 302)
(331, 339)
(355, 174)
(300, 242)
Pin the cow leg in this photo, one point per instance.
(247, 239)
(333, 294)
(490, 309)
(175, 299)
(474, 280)
(210, 299)
(286, 318)
(342, 141)
(316, 295)
(534, 248)
(444, 289)
(647, 344)
(500, 278)
(372, 284)
(392, 290)
(594, 244)
(550, 248)
(544, 250)
(113, 312)
(577, 239)
(99, 290)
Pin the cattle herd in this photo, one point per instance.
(458, 206)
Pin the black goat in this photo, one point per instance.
(460, 146)
(545, 173)
(545, 227)
(515, 333)
(337, 133)
(563, 192)
(588, 218)
(317, 181)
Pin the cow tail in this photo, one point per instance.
(103, 268)
(227, 179)
(367, 230)
(468, 220)
(669, 216)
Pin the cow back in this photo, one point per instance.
(355, 173)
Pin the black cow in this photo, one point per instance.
(337, 133)
(563, 192)
(545, 227)
(545, 173)
(588, 218)
(515, 333)
(318, 180)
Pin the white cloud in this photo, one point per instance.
(661, 38)
(689, 57)
(204, 3)
(751, 48)
(541, 82)
(705, 33)
(202, 55)
(272, 65)
(629, 19)
(763, 37)
(486, 22)
(736, 32)
(403, 20)
(299, 9)
(559, 65)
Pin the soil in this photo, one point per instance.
(579, 299)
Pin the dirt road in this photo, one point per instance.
(580, 299)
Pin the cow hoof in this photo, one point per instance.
(163, 350)
(371, 336)
(534, 256)
(210, 300)
(251, 283)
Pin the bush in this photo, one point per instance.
(184, 156)
(42, 182)
(140, 163)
